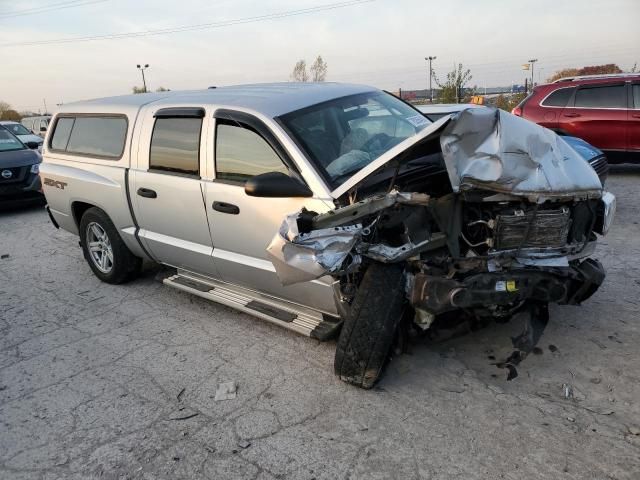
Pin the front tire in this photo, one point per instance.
(368, 331)
(107, 255)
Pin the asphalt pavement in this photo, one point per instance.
(128, 382)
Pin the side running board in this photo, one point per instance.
(290, 316)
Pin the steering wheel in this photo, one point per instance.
(382, 137)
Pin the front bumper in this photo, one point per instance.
(25, 189)
(570, 285)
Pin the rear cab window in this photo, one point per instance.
(601, 96)
(175, 144)
(101, 136)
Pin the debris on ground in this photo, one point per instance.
(226, 391)
(179, 396)
(244, 444)
(600, 410)
(185, 417)
(567, 390)
(4, 255)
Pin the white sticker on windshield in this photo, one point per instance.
(417, 120)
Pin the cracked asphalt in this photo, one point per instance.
(118, 382)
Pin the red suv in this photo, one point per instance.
(604, 110)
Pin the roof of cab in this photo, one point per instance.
(270, 99)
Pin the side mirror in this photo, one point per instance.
(32, 145)
(276, 185)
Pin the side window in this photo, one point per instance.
(241, 154)
(62, 133)
(559, 98)
(100, 136)
(601, 97)
(636, 96)
(175, 145)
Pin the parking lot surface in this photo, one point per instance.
(119, 382)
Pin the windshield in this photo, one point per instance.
(9, 142)
(17, 129)
(344, 135)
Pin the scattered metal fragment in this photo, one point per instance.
(634, 430)
(567, 390)
(571, 419)
(226, 391)
(244, 444)
(526, 341)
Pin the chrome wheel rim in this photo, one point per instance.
(99, 247)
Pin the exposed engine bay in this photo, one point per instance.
(489, 214)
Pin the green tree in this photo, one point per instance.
(139, 90)
(452, 90)
(509, 102)
(162, 89)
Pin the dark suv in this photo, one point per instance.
(19, 168)
(604, 110)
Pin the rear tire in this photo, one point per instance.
(368, 331)
(104, 250)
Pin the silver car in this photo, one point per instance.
(331, 209)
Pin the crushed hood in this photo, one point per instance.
(490, 149)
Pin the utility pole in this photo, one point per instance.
(44, 100)
(142, 69)
(430, 59)
(532, 62)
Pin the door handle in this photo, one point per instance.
(572, 115)
(147, 193)
(224, 207)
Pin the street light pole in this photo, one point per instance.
(532, 62)
(144, 82)
(430, 59)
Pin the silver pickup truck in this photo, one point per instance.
(331, 209)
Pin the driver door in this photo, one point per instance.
(243, 226)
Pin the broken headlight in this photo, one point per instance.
(605, 214)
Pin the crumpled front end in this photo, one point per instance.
(514, 230)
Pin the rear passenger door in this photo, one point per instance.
(167, 191)
(598, 115)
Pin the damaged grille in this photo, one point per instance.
(547, 228)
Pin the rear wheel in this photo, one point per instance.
(104, 250)
(368, 331)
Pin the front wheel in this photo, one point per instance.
(104, 250)
(369, 327)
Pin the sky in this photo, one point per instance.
(379, 42)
